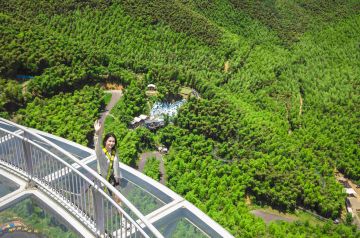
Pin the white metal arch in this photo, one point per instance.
(27, 155)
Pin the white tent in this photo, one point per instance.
(350, 191)
(143, 117)
(136, 120)
(151, 86)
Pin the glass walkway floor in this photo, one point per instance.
(168, 212)
(7, 186)
(29, 218)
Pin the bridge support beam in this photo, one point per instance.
(27, 154)
(99, 211)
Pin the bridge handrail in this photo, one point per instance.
(91, 183)
(95, 185)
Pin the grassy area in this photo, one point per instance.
(304, 216)
(298, 215)
(185, 92)
(107, 98)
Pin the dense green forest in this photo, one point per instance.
(279, 111)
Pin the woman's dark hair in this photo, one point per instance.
(107, 136)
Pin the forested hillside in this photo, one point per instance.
(279, 82)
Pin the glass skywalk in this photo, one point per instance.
(168, 212)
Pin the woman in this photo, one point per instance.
(107, 159)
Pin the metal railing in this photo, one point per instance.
(51, 169)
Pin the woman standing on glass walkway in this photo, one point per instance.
(106, 155)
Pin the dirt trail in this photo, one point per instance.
(301, 105)
(226, 66)
(145, 156)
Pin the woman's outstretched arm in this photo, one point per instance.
(97, 143)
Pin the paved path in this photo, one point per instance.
(145, 156)
(115, 97)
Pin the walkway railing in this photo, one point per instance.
(51, 169)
